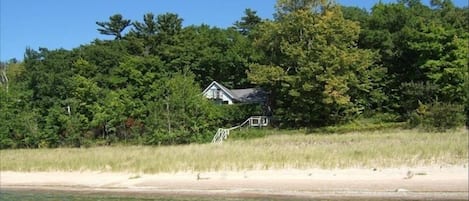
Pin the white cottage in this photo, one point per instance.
(218, 92)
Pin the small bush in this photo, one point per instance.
(437, 116)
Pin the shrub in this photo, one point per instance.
(236, 114)
(415, 93)
(437, 116)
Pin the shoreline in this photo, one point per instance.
(442, 183)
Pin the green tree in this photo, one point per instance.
(419, 47)
(114, 27)
(212, 54)
(284, 7)
(314, 69)
(146, 31)
(356, 14)
(99, 59)
(169, 24)
(179, 114)
(109, 115)
(442, 59)
(19, 126)
(48, 76)
(166, 45)
(248, 22)
(3, 76)
(149, 26)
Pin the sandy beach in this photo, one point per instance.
(440, 183)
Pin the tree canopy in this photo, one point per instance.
(114, 27)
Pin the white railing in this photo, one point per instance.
(254, 121)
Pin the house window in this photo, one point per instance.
(214, 95)
(255, 122)
(218, 94)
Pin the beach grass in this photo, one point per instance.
(275, 150)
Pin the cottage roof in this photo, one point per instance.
(219, 86)
(252, 95)
(248, 95)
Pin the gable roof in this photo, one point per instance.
(249, 95)
(219, 86)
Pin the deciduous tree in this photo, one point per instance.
(314, 68)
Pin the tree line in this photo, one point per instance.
(321, 64)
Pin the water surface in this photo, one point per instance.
(43, 195)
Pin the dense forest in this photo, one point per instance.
(321, 64)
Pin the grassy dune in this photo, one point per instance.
(390, 148)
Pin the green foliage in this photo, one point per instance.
(356, 14)
(248, 23)
(466, 104)
(148, 27)
(418, 44)
(179, 114)
(168, 24)
(374, 122)
(285, 7)
(316, 73)
(215, 54)
(236, 114)
(19, 126)
(415, 93)
(438, 117)
(443, 59)
(114, 27)
(321, 64)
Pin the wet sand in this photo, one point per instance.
(421, 183)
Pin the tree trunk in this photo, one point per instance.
(4, 78)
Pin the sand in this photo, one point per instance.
(437, 183)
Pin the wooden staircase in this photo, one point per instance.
(254, 121)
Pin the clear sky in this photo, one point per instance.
(70, 23)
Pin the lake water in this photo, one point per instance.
(28, 195)
(82, 196)
(31, 195)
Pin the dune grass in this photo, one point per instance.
(378, 149)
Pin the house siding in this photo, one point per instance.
(212, 94)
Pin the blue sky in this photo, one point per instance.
(68, 24)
